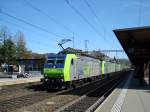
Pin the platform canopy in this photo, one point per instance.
(136, 43)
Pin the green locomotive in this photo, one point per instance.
(69, 68)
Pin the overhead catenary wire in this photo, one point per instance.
(84, 18)
(97, 18)
(94, 13)
(51, 18)
(30, 24)
(48, 16)
(19, 26)
(33, 40)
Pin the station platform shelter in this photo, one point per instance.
(133, 94)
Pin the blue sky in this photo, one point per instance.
(114, 14)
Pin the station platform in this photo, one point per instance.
(129, 96)
(8, 81)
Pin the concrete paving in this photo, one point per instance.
(10, 81)
(136, 99)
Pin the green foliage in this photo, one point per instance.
(21, 45)
(7, 47)
(1, 57)
(8, 51)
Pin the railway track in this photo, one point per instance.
(28, 100)
(13, 91)
(35, 93)
(90, 100)
(17, 96)
(12, 88)
(12, 104)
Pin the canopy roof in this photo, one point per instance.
(136, 43)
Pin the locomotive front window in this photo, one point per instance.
(60, 61)
(51, 61)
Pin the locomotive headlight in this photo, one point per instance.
(46, 80)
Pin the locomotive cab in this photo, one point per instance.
(54, 66)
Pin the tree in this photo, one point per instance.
(4, 35)
(8, 52)
(21, 45)
(1, 57)
(7, 47)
